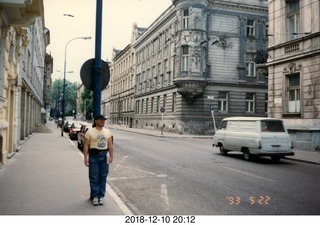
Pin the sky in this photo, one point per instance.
(118, 19)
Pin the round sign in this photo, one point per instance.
(87, 73)
(162, 109)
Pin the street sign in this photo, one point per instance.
(87, 72)
(211, 97)
(162, 109)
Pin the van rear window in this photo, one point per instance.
(272, 126)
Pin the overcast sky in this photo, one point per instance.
(118, 18)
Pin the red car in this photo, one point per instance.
(74, 130)
(83, 129)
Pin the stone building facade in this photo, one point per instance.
(196, 58)
(120, 100)
(24, 72)
(293, 69)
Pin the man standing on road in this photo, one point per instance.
(98, 142)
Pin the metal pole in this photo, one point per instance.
(214, 121)
(162, 125)
(97, 62)
(64, 75)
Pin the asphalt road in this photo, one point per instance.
(181, 176)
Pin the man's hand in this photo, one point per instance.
(110, 159)
(86, 161)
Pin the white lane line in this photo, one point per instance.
(249, 174)
(139, 170)
(120, 162)
(164, 197)
(136, 177)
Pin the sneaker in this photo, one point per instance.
(101, 201)
(95, 201)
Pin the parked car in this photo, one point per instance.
(83, 129)
(66, 126)
(254, 137)
(74, 130)
(59, 122)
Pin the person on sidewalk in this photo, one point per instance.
(97, 144)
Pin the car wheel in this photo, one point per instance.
(247, 155)
(222, 150)
(275, 158)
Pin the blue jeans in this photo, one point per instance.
(98, 172)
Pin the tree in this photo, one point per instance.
(57, 96)
(86, 103)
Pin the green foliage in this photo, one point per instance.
(70, 99)
(86, 102)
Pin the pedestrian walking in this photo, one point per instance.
(98, 153)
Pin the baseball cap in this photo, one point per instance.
(100, 117)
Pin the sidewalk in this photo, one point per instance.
(48, 177)
(312, 157)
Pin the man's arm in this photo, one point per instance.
(110, 148)
(85, 151)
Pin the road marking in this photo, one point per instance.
(164, 197)
(142, 171)
(249, 174)
(118, 165)
(136, 177)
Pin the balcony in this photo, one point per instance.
(22, 12)
(190, 87)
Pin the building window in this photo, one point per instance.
(142, 105)
(293, 82)
(250, 102)
(155, 81)
(159, 68)
(164, 100)
(158, 103)
(250, 66)
(184, 58)
(185, 19)
(138, 106)
(166, 67)
(147, 105)
(251, 28)
(152, 100)
(293, 19)
(266, 103)
(174, 97)
(223, 101)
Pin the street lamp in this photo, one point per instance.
(64, 74)
(59, 94)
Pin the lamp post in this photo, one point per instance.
(59, 94)
(64, 74)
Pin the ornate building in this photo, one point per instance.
(199, 57)
(25, 72)
(294, 72)
(122, 82)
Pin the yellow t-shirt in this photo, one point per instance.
(98, 139)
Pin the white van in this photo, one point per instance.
(254, 136)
